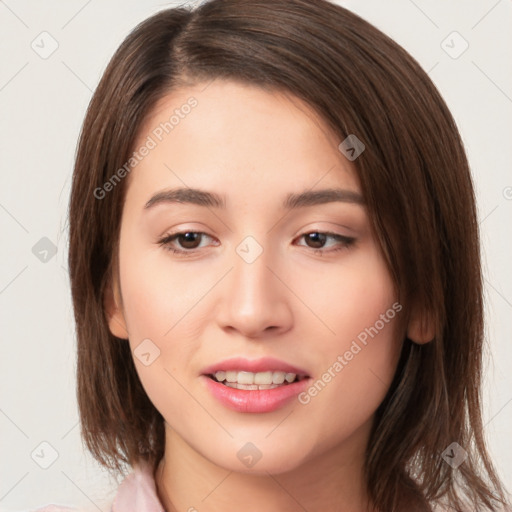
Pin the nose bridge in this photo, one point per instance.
(255, 300)
(252, 280)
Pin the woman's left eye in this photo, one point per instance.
(189, 241)
(319, 239)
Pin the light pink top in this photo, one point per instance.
(137, 493)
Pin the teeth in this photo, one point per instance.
(264, 378)
(278, 377)
(251, 387)
(220, 376)
(248, 379)
(245, 378)
(231, 376)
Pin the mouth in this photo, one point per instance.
(251, 381)
(254, 386)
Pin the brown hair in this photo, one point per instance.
(417, 186)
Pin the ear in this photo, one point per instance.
(114, 311)
(421, 328)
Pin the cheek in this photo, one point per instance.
(158, 304)
(348, 298)
(158, 295)
(359, 348)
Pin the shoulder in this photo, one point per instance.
(57, 508)
(104, 506)
(137, 493)
(138, 488)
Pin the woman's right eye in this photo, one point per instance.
(188, 241)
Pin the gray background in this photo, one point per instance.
(43, 102)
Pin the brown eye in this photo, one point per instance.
(189, 240)
(325, 242)
(185, 242)
(315, 240)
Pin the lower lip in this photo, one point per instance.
(259, 400)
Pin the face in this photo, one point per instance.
(276, 270)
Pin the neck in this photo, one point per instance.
(187, 481)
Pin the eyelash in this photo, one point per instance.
(345, 242)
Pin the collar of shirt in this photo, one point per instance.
(137, 492)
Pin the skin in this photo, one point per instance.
(291, 303)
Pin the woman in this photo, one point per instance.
(275, 270)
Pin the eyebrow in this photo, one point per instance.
(292, 201)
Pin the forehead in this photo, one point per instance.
(238, 136)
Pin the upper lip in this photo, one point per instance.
(255, 365)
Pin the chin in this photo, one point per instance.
(258, 458)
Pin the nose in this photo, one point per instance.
(255, 301)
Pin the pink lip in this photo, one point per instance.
(256, 401)
(258, 365)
